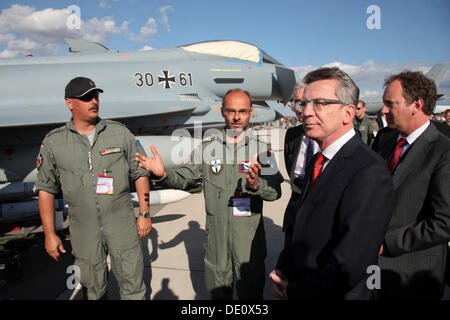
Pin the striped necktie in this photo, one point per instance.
(318, 165)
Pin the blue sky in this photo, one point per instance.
(303, 35)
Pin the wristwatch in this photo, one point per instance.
(145, 214)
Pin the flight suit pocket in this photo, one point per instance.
(215, 201)
(128, 267)
(116, 165)
(71, 184)
(93, 276)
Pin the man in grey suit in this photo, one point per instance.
(414, 253)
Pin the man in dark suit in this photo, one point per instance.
(442, 127)
(381, 120)
(414, 251)
(346, 202)
(298, 152)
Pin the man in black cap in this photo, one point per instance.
(92, 161)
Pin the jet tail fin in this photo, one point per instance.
(437, 72)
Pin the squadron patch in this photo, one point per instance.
(216, 166)
(39, 161)
(244, 166)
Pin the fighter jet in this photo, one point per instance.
(436, 73)
(152, 92)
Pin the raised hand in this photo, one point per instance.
(155, 165)
(253, 173)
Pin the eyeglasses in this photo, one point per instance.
(242, 112)
(317, 104)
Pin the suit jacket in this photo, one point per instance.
(339, 226)
(442, 127)
(292, 144)
(415, 246)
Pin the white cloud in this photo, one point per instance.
(369, 73)
(370, 94)
(98, 30)
(6, 37)
(24, 30)
(164, 18)
(148, 30)
(146, 48)
(303, 70)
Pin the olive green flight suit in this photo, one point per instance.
(99, 223)
(234, 244)
(367, 128)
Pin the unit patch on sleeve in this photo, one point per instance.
(39, 161)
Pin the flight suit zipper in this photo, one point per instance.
(94, 183)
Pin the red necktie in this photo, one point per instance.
(396, 155)
(318, 165)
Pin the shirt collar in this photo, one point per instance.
(248, 135)
(101, 124)
(415, 134)
(333, 148)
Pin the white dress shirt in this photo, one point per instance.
(411, 138)
(333, 148)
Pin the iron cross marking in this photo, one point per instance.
(166, 78)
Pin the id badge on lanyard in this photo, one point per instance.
(241, 206)
(105, 184)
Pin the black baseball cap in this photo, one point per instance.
(79, 86)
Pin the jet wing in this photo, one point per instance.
(47, 113)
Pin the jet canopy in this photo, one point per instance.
(231, 49)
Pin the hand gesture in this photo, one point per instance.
(253, 173)
(155, 165)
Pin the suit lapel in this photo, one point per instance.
(419, 149)
(389, 144)
(334, 164)
(295, 144)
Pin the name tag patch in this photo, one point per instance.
(105, 184)
(110, 150)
